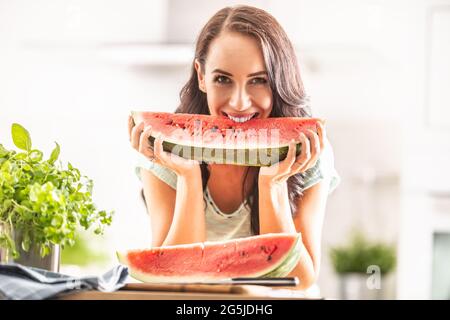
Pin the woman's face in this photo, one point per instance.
(235, 78)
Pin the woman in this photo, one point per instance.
(244, 66)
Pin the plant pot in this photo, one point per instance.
(32, 257)
(353, 286)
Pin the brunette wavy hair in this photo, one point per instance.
(289, 98)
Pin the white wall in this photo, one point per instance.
(69, 21)
(59, 82)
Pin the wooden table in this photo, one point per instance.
(145, 291)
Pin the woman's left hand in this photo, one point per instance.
(312, 147)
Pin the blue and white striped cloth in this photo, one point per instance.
(18, 282)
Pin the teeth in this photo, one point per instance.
(240, 119)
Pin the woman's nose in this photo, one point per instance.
(240, 99)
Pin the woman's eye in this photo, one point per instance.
(258, 81)
(222, 79)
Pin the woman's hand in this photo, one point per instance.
(312, 147)
(139, 135)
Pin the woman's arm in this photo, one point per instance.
(177, 217)
(160, 202)
(275, 216)
(309, 222)
(188, 224)
(275, 213)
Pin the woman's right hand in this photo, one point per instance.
(139, 135)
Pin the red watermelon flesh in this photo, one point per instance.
(245, 257)
(219, 139)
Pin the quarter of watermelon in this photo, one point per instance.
(268, 255)
(218, 139)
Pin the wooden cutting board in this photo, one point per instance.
(254, 290)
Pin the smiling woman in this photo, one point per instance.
(244, 67)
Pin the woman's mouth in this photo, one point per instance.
(240, 117)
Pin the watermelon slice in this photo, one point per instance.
(268, 255)
(256, 142)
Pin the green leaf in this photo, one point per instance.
(21, 156)
(21, 137)
(55, 154)
(3, 151)
(57, 221)
(45, 250)
(26, 242)
(36, 155)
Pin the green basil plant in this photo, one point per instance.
(43, 201)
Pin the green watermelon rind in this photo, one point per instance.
(287, 266)
(280, 269)
(122, 258)
(281, 264)
(262, 156)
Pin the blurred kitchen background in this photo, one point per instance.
(378, 71)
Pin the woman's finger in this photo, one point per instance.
(287, 163)
(305, 154)
(282, 169)
(130, 126)
(158, 149)
(322, 135)
(136, 134)
(144, 143)
(315, 148)
(290, 157)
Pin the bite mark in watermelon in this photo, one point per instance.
(256, 142)
(268, 255)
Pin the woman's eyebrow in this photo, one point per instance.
(221, 71)
(229, 74)
(257, 73)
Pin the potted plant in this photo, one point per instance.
(358, 262)
(42, 204)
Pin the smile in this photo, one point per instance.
(241, 118)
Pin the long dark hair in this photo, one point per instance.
(289, 99)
